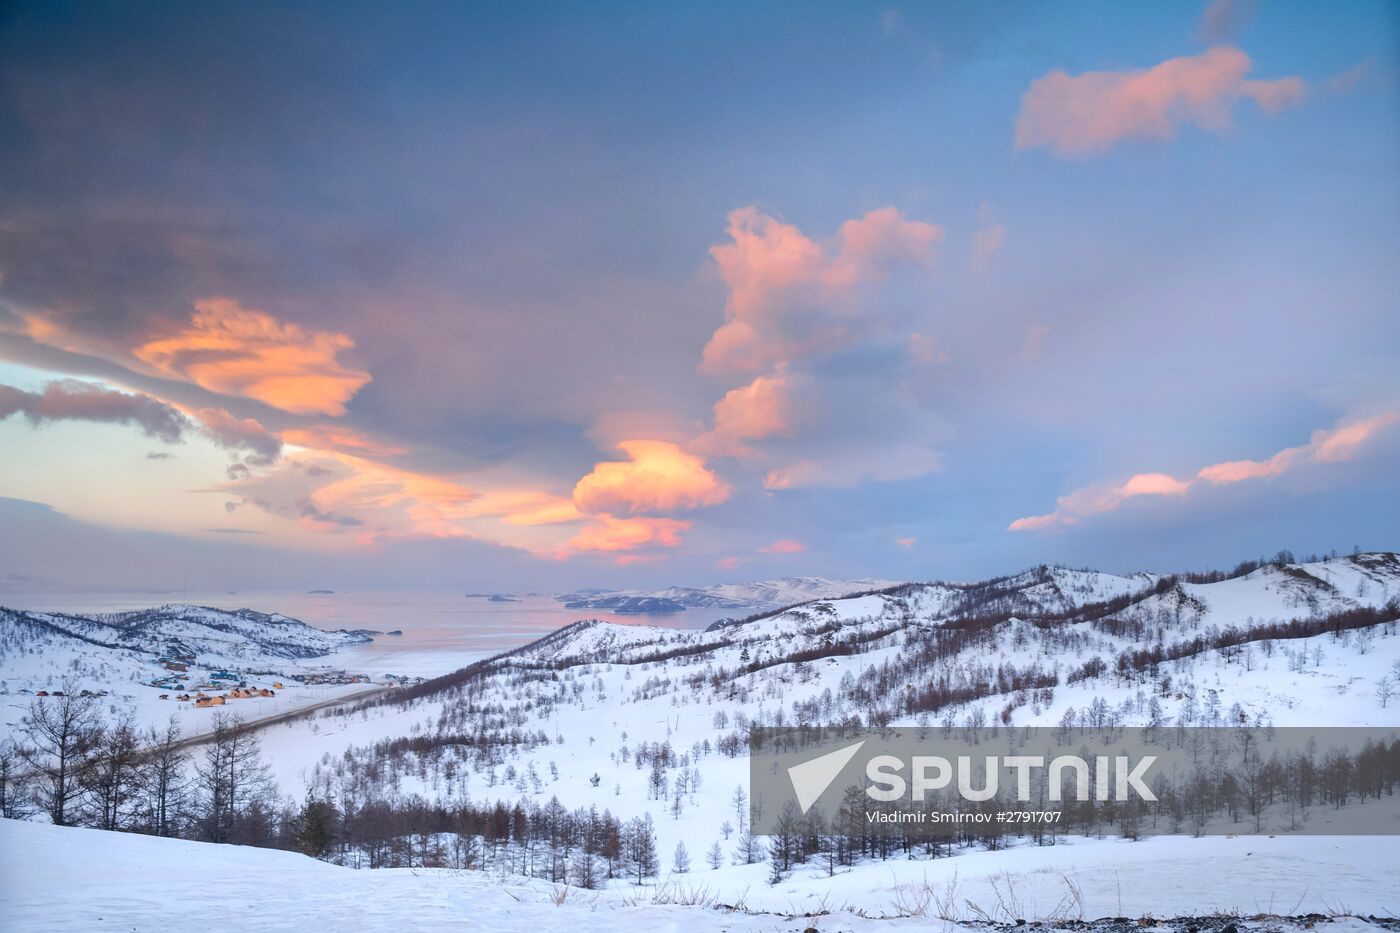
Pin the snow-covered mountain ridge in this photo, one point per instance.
(758, 595)
(1056, 597)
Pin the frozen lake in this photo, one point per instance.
(441, 631)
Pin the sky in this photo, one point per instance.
(553, 295)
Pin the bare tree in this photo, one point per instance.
(232, 780)
(12, 790)
(680, 862)
(166, 784)
(111, 780)
(62, 732)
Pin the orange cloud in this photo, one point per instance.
(658, 476)
(233, 350)
(783, 546)
(1327, 445)
(608, 533)
(1085, 115)
(340, 493)
(778, 279)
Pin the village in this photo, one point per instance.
(219, 687)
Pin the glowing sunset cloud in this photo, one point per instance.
(339, 493)
(658, 477)
(783, 546)
(1084, 115)
(232, 350)
(1329, 445)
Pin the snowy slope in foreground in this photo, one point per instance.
(64, 879)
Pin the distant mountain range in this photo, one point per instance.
(763, 594)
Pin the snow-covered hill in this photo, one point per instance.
(585, 714)
(760, 595)
(135, 657)
(193, 633)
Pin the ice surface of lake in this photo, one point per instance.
(441, 631)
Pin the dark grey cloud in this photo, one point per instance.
(259, 446)
(71, 400)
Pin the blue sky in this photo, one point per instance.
(422, 295)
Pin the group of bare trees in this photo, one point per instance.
(76, 769)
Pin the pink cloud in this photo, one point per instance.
(727, 563)
(1085, 115)
(783, 546)
(906, 543)
(1345, 441)
(1238, 471)
(762, 408)
(1327, 445)
(1095, 500)
(658, 476)
(782, 284)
